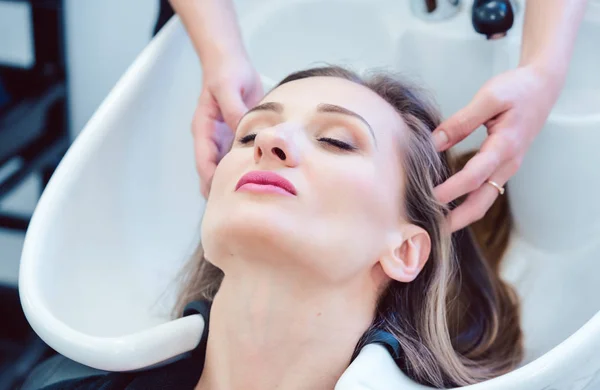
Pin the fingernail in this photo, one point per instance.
(440, 138)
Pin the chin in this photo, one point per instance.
(246, 227)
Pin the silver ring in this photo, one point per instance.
(498, 187)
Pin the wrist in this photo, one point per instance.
(553, 73)
(548, 58)
(221, 56)
(542, 81)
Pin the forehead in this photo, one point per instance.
(306, 94)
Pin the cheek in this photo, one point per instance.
(351, 212)
(358, 191)
(229, 171)
(357, 208)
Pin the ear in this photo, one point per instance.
(407, 253)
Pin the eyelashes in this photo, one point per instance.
(332, 142)
(247, 139)
(337, 143)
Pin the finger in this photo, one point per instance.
(223, 138)
(479, 201)
(232, 107)
(495, 151)
(205, 166)
(474, 207)
(206, 152)
(255, 94)
(208, 108)
(205, 148)
(206, 174)
(456, 128)
(205, 189)
(478, 169)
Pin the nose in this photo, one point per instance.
(276, 145)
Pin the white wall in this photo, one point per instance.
(103, 38)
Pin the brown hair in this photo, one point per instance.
(457, 322)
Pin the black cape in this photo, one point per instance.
(184, 373)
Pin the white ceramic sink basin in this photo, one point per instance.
(121, 214)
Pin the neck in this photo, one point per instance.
(268, 331)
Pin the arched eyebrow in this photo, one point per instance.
(269, 106)
(332, 108)
(322, 107)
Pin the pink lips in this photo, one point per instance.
(265, 182)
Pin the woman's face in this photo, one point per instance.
(312, 183)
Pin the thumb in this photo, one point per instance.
(232, 107)
(460, 125)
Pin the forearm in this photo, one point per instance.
(549, 34)
(213, 28)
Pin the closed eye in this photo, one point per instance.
(330, 141)
(247, 139)
(337, 143)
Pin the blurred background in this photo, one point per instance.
(58, 60)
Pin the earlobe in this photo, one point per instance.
(407, 254)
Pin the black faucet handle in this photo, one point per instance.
(493, 18)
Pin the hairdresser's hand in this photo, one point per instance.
(230, 88)
(513, 106)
